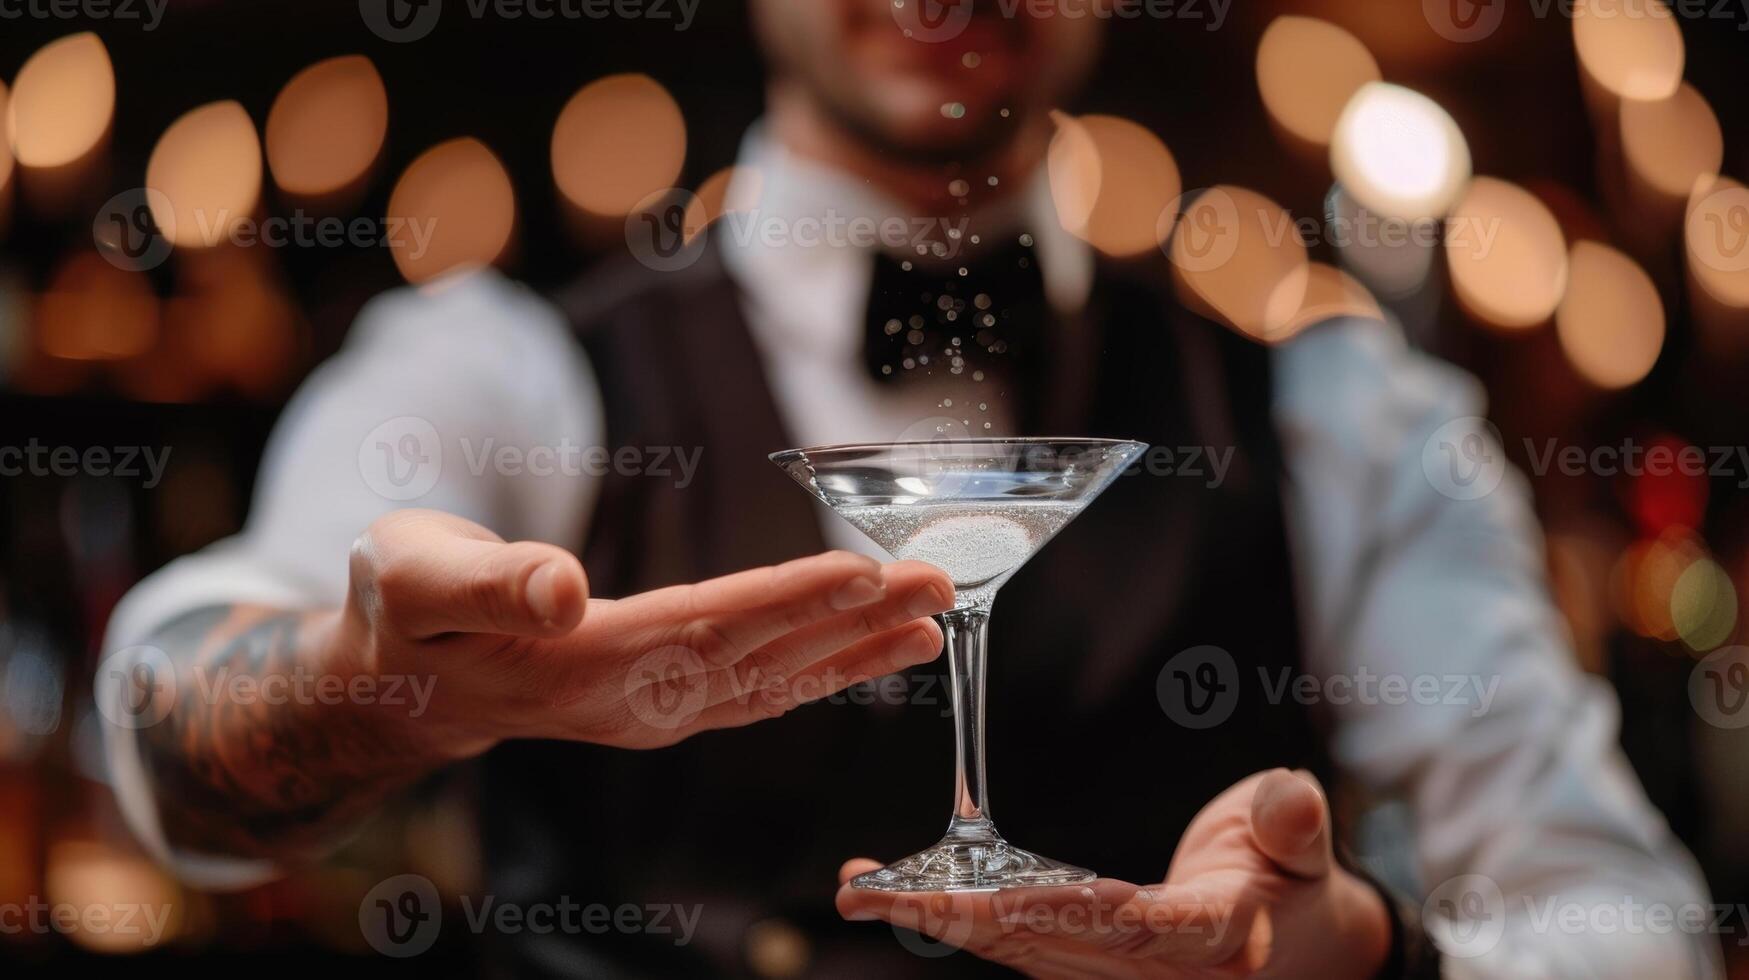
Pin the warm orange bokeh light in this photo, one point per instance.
(63, 102)
(1238, 258)
(1331, 294)
(327, 126)
(619, 140)
(207, 166)
(1507, 255)
(1717, 240)
(1611, 321)
(1631, 50)
(94, 311)
(1670, 143)
(729, 189)
(456, 208)
(1307, 70)
(1133, 178)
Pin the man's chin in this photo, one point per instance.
(929, 126)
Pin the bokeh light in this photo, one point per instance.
(1717, 240)
(1611, 321)
(207, 166)
(327, 126)
(617, 141)
(458, 194)
(1507, 255)
(1330, 294)
(1238, 259)
(1307, 71)
(1630, 50)
(1670, 143)
(63, 102)
(731, 189)
(1398, 153)
(1072, 166)
(1137, 182)
(94, 311)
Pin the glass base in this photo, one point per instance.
(960, 863)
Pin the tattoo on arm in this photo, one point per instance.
(250, 763)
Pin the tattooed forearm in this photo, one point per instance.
(274, 748)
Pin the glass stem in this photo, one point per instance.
(967, 634)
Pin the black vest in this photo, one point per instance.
(1085, 763)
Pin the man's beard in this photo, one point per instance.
(981, 140)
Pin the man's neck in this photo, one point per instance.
(798, 125)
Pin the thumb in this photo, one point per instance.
(1290, 821)
(432, 573)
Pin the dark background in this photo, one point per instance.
(72, 546)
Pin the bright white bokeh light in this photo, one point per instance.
(1398, 153)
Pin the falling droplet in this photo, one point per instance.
(959, 188)
(1026, 240)
(971, 59)
(956, 110)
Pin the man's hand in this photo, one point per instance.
(502, 631)
(1253, 890)
(282, 730)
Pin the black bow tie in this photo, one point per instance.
(979, 321)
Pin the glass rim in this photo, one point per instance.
(845, 447)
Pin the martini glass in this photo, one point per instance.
(978, 510)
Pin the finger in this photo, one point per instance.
(875, 656)
(1290, 822)
(913, 591)
(854, 867)
(727, 618)
(426, 574)
(1200, 923)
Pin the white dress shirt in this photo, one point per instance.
(1393, 576)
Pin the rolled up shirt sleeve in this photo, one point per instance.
(1420, 562)
(467, 395)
